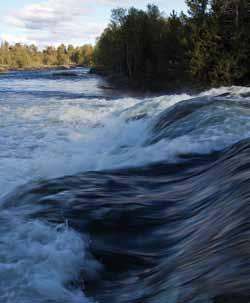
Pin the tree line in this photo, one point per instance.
(29, 56)
(208, 46)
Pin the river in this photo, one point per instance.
(110, 197)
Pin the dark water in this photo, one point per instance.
(109, 198)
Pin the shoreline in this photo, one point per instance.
(157, 86)
(39, 68)
(118, 81)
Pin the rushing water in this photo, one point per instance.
(109, 198)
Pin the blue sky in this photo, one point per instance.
(51, 22)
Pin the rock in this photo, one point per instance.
(105, 87)
(3, 70)
(65, 74)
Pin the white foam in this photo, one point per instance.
(51, 139)
(233, 91)
(38, 261)
(47, 139)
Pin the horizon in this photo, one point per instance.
(55, 22)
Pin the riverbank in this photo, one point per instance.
(147, 85)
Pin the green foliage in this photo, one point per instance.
(143, 45)
(197, 8)
(28, 56)
(210, 46)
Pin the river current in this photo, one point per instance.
(110, 197)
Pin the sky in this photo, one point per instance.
(52, 22)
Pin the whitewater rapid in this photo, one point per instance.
(44, 137)
(52, 128)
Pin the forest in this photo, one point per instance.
(20, 56)
(207, 46)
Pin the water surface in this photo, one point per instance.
(109, 197)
